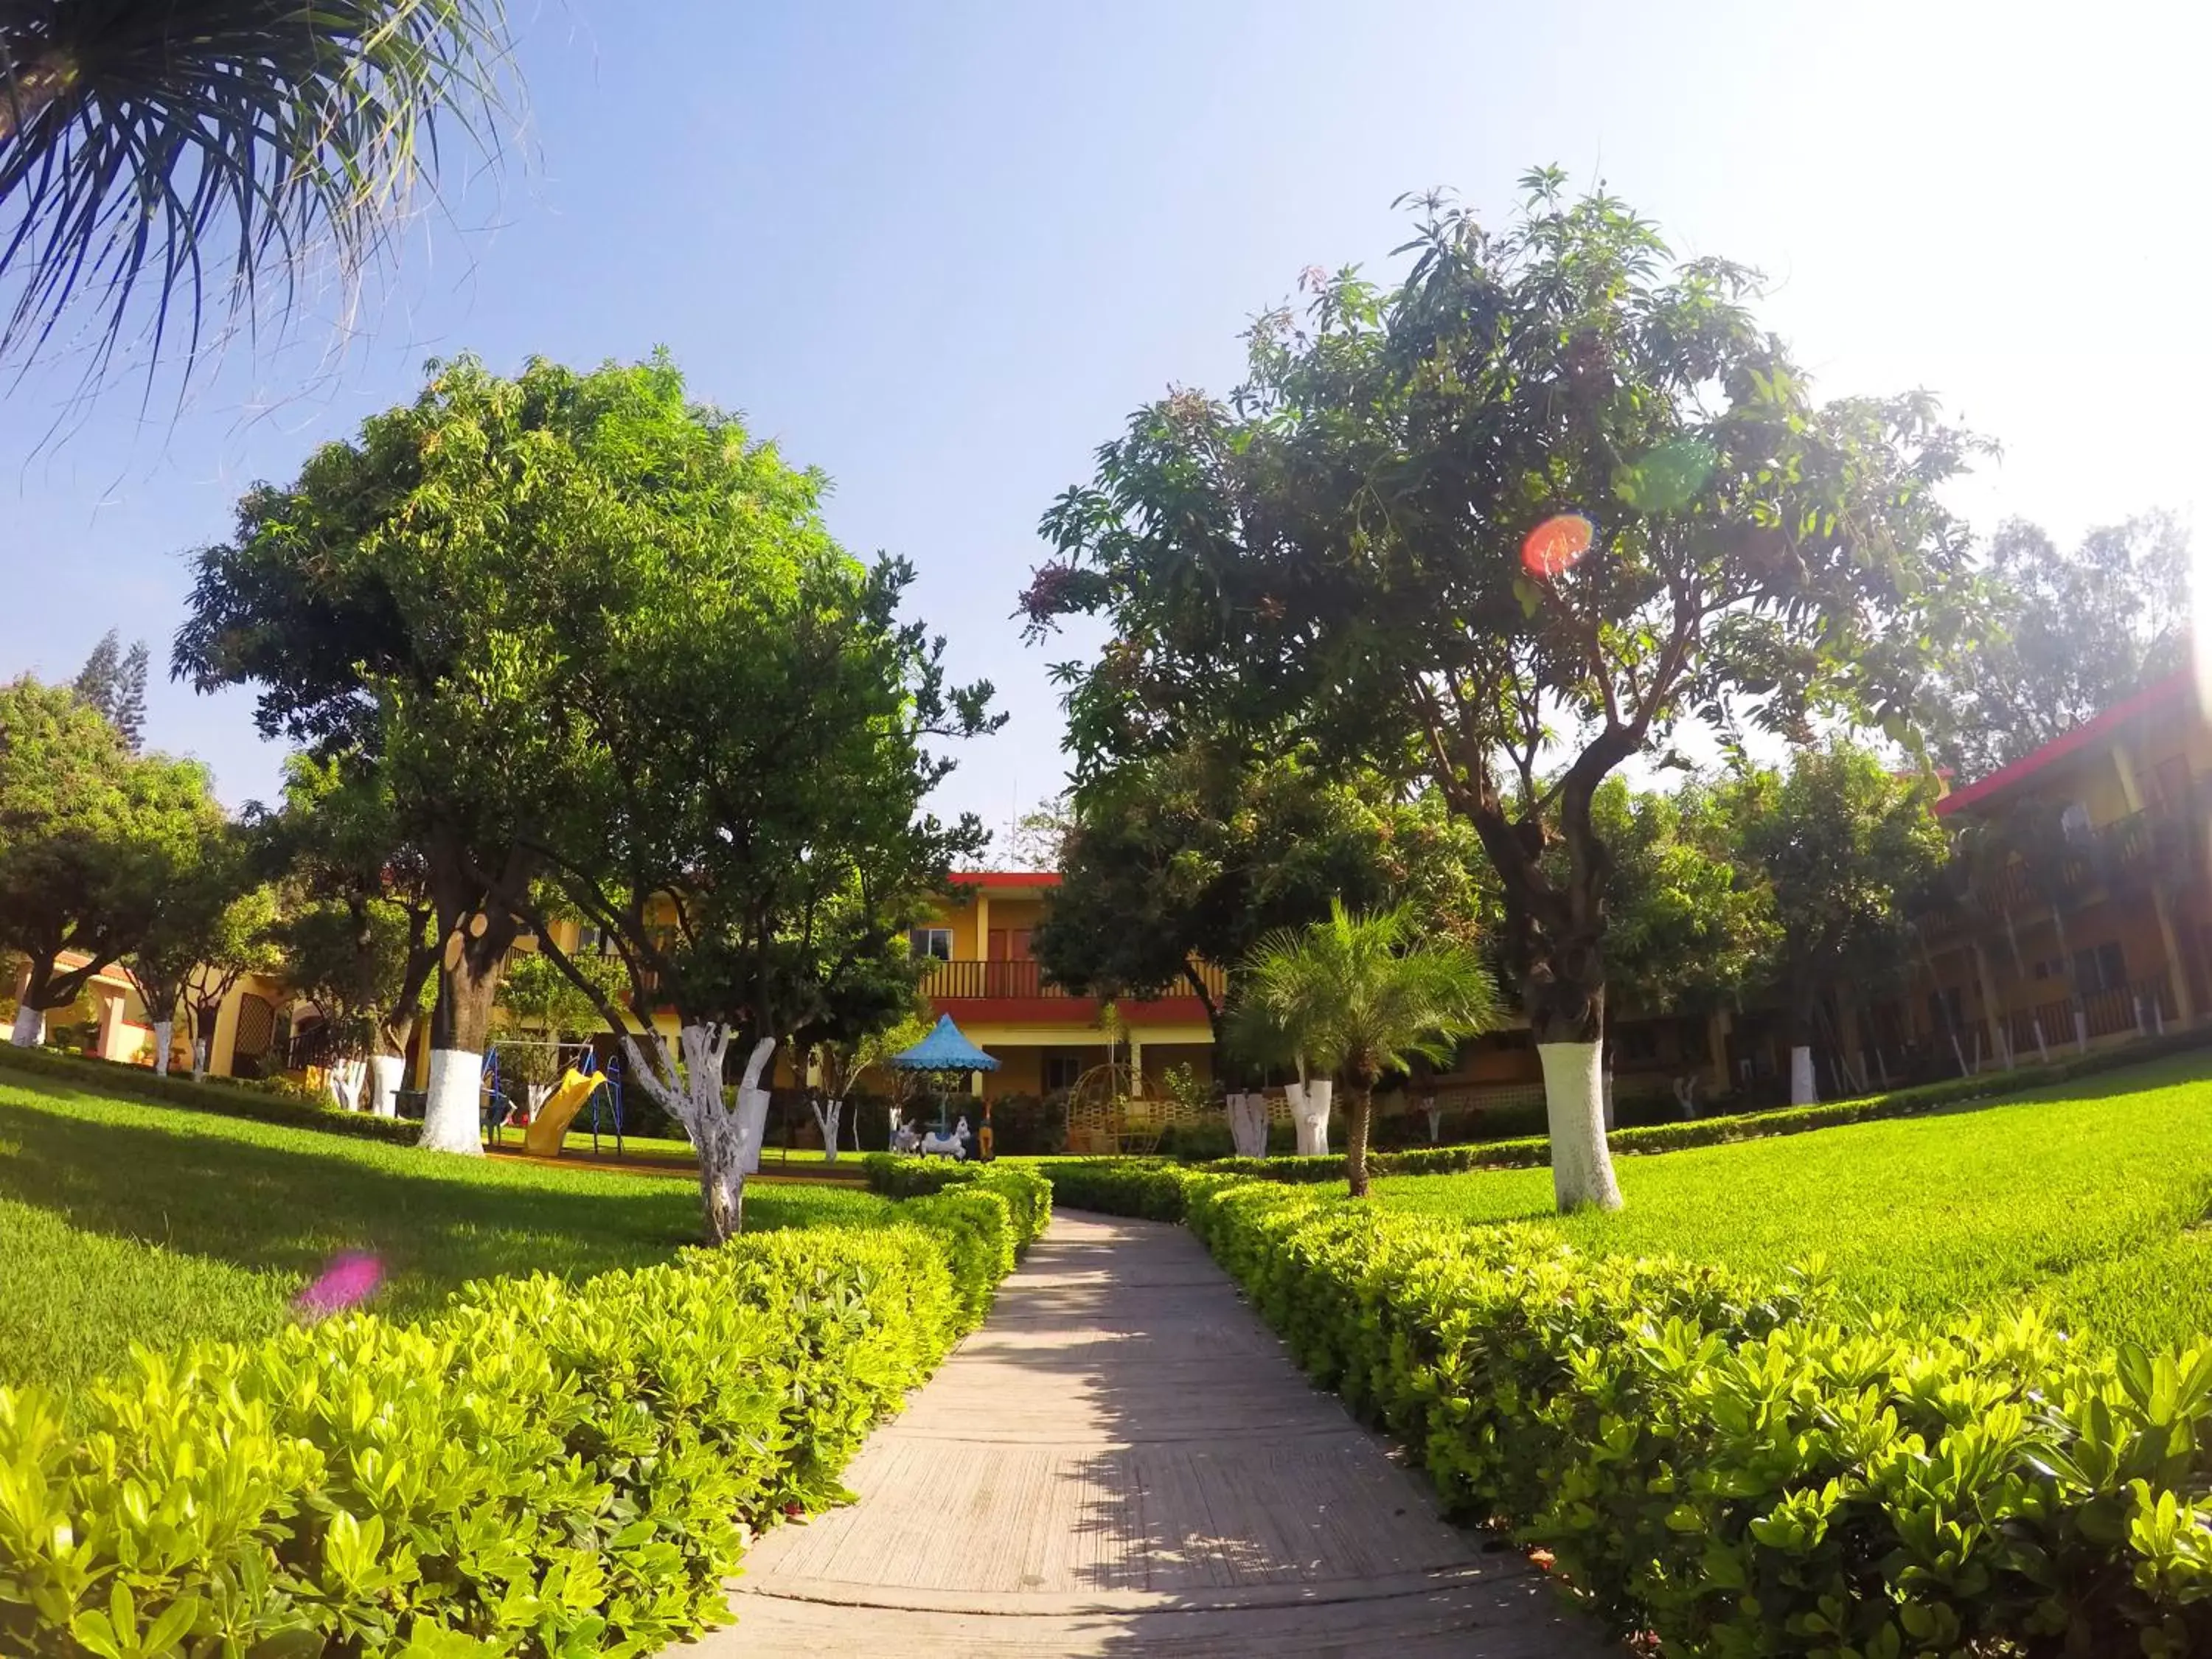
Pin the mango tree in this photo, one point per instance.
(1506, 526)
(410, 606)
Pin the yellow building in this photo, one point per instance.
(985, 978)
(247, 1029)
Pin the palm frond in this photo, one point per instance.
(204, 149)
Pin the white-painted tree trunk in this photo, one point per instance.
(30, 1027)
(344, 1080)
(1434, 1114)
(695, 1100)
(387, 1075)
(1574, 1104)
(1248, 1123)
(534, 1097)
(1803, 1090)
(199, 1060)
(752, 1120)
(165, 1033)
(452, 1109)
(1310, 1104)
(827, 1113)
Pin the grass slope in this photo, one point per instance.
(2087, 1199)
(121, 1222)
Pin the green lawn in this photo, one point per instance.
(122, 1221)
(2089, 1200)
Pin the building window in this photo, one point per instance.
(2105, 968)
(1634, 1043)
(1944, 1010)
(1062, 1071)
(930, 942)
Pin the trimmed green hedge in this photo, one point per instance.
(542, 1469)
(225, 1097)
(1149, 1188)
(1740, 1468)
(1028, 1196)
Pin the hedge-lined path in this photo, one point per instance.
(1124, 1460)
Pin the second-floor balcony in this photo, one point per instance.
(969, 980)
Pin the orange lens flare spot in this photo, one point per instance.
(1557, 545)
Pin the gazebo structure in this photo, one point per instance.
(946, 1051)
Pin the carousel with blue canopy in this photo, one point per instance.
(944, 1054)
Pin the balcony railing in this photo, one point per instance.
(969, 980)
(2146, 1006)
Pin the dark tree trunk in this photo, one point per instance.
(1355, 1139)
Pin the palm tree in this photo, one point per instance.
(188, 144)
(1361, 995)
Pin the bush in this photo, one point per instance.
(275, 1101)
(1197, 1143)
(1148, 1189)
(1023, 1126)
(1730, 1466)
(543, 1469)
(1027, 1196)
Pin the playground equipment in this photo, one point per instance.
(549, 1127)
(954, 1146)
(586, 1083)
(944, 1053)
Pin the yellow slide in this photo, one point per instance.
(542, 1138)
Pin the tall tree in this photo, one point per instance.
(173, 143)
(1194, 855)
(1841, 844)
(114, 681)
(1364, 995)
(213, 920)
(90, 839)
(748, 835)
(415, 604)
(1548, 498)
(2047, 639)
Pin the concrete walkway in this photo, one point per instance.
(1124, 1461)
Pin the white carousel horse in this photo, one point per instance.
(954, 1146)
(906, 1139)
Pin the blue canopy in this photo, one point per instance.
(945, 1050)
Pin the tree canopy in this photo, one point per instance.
(1504, 526)
(1192, 856)
(114, 681)
(1841, 844)
(2046, 639)
(426, 602)
(91, 838)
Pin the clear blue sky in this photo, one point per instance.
(940, 251)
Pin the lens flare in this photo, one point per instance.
(350, 1279)
(1669, 476)
(1555, 545)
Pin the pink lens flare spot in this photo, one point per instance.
(350, 1279)
(1556, 544)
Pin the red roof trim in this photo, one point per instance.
(1005, 878)
(2153, 695)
